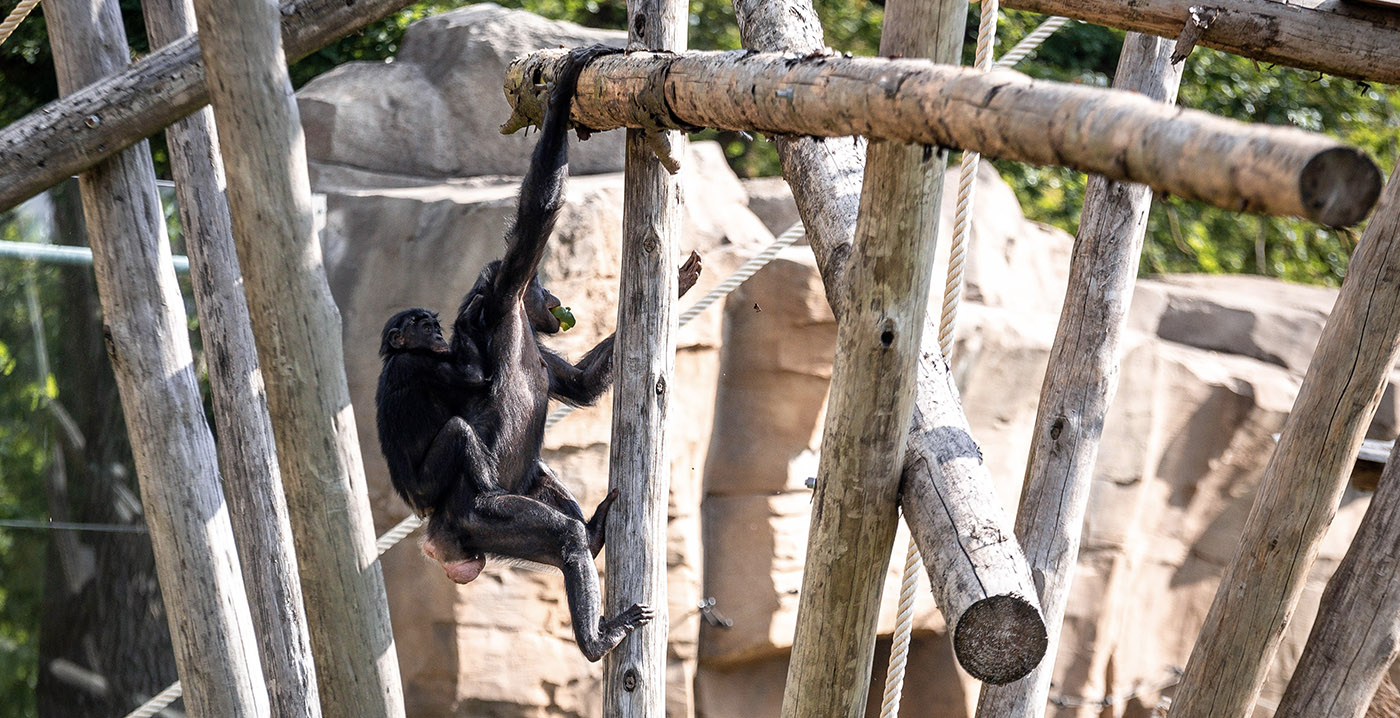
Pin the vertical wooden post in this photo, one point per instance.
(210, 625)
(1081, 380)
(872, 395)
(971, 552)
(634, 684)
(1356, 636)
(297, 328)
(1304, 479)
(247, 454)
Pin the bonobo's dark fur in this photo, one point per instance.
(461, 424)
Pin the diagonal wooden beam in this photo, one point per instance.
(76, 132)
(1350, 39)
(1120, 135)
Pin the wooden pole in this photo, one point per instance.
(247, 454)
(1081, 380)
(634, 673)
(118, 110)
(1356, 636)
(854, 514)
(1121, 135)
(144, 322)
(965, 537)
(297, 328)
(1335, 36)
(1304, 479)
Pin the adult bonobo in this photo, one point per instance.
(461, 423)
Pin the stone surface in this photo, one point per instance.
(436, 110)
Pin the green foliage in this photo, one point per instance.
(24, 452)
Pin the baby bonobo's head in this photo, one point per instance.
(412, 330)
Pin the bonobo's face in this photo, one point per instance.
(539, 306)
(413, 330)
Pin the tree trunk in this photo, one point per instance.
(146, 339)
(1121, 135)
(1334, 36)
(104, 644)
(77, 131)
(971, 554)
(1081, 380)
(1304, 479)
(297, 328)
(247, 455)
(634, 673)
(878, 336)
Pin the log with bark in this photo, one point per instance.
(1336, 36)
(1120, 135)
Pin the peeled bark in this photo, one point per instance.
(1120, 135)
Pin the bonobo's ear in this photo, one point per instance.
(396, 338)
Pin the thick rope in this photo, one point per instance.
(15, 17)
(408, 525)
(952, 295)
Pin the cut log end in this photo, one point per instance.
(1339, 187)
(1000, 639)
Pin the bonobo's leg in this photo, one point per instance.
(521, 527)
(459, 462)
(547, 489)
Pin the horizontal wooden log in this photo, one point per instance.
(76, 132)
(1340, 37)
(1123, 136)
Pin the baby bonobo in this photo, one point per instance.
(461, 423)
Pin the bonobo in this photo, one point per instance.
(461, 423)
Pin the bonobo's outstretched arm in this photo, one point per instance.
(542, 191)
(581, 384)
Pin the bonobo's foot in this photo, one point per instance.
(611, 631)
(577, 59)
(598, 525)
(688, 273)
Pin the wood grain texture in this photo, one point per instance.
(887, 281)
(1335, 36)
(1081, 380)
(963, 533)
(1123, 136)
(211, 628)
(1356, 635)
(1304, 479)
(297, 330)
(114, 111)
(634, 673)
(247, 453)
